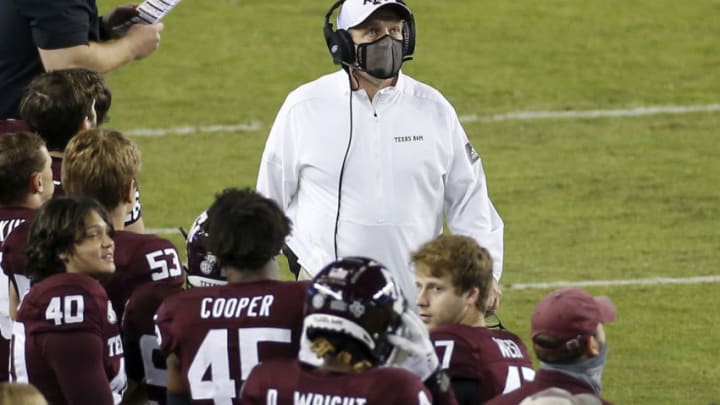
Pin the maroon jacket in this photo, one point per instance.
(545, 379)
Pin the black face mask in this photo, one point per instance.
(381, 58)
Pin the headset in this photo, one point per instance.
(342, 47)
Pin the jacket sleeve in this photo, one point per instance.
(278, 173)
(468, 209)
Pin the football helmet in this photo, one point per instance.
(202, 266)
(356, 297)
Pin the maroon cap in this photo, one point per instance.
(565, 314)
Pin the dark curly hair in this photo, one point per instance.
(58, 225)
(245, 230)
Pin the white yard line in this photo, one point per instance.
(164, 231)
(610, 283)
(628, 112)
(512, 116)
(559, 284)
(252, 126)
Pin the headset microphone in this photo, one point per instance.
(354, 66)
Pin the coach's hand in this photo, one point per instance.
(494, 296)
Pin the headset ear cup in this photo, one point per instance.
(331, 41)
(337, 41)
(340, 45)
(409, 36)
(347, 46)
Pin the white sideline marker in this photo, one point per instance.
(512, 116)
(610, 283)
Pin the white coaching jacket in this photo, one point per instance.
(409, 167)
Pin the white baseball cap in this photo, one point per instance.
(354, 12)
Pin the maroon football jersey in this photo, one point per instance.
(132, 217)
(140, 259)
(545, 379)
(14, 260)
(143, 360)
(220, 333)
(497, 360)
(66, 342)
(290, 382)
(10, 218)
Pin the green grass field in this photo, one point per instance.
(583, 199)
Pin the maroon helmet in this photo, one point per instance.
(203, 268)
(356, 297)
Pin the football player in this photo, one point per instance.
(144, 362)
(568, 336)
(104, 164)
(214, 336)
(354, 312)
(142, 355)
(66, 340)
(54, 106)
(454, 278)
(25, 183)
(59, 104)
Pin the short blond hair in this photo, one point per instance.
(20, 394)
(468, 264)
(100, 163)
